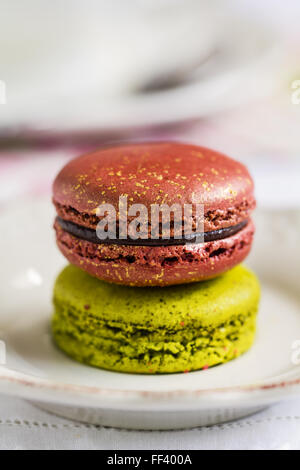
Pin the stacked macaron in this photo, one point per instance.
(125, 304)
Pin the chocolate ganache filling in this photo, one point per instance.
(90, 235)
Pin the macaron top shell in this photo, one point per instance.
(155, 173)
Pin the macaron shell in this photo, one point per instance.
(169, 173)
(177, 329)
(156, 266)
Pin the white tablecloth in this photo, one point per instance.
(22, 426)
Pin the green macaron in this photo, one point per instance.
(153, 330)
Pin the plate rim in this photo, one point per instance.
(109, 398)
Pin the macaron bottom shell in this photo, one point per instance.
(156, 266)
(156, 357)
(150, 331)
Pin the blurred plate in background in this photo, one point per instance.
(89, 66)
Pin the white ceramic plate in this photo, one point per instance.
(37, 371)
(241, 65)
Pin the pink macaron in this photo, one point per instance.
(155, 173)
